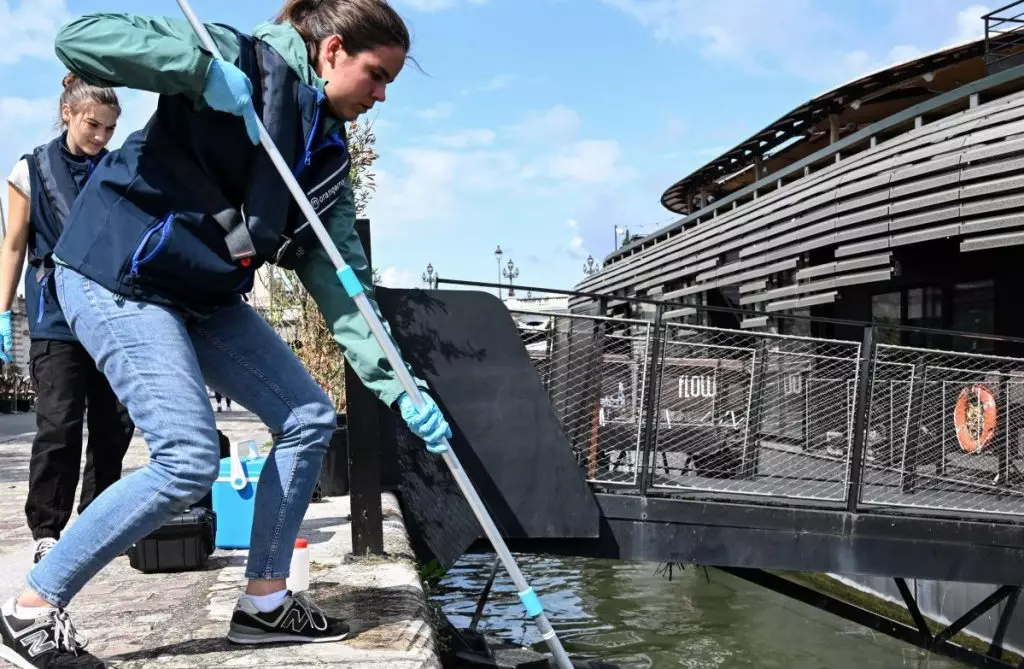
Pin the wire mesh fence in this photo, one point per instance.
(754, 413)
(595, 370)
(951, 435)
(690, 408)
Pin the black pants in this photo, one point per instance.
(67, 381)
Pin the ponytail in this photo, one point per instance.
(77, 94)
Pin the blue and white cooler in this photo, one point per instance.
(234, 495)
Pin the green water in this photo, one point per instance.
(625, 614)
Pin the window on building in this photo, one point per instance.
(887, 309)
(973, 309)
(796, 326)
(924, 310)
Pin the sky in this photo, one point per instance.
(541, 126)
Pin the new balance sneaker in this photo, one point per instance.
(297, 620)
(43, 546)
(47, 642)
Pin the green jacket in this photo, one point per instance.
(163, 56)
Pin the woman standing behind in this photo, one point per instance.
(41, 189)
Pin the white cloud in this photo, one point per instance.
(464, 139)
(28, 29)
(809, 39)
(557, 123)
(425, 187)
(969, 25)
(438, 5)
(440, 111)
(496, 83)
(576, 242)
(429, 186)
(586, 161)
(392, 277)
(676, 127)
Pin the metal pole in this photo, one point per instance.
(654, 378)
(860, 419)
(531, 602)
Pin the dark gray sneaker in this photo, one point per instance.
(43, 546)
(48, 642)
(297, 620)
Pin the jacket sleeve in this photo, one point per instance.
(350, 329)
(152, 54)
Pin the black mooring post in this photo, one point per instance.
(364, 450)
(860, 419)
(653, 402)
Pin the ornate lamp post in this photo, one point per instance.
(430, 278)
(590, 268)
(511, 272)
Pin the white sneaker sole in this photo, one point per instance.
(253, 639)
(12, 656)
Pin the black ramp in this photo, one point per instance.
(466, 346)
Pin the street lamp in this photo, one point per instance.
(430, 278)
(590, 268)
(497, 257)
(511, 272)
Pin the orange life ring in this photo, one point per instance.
(974, 418)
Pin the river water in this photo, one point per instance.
(623, 613)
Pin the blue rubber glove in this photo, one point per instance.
(427, 423)
(6, 338)
(228, 90)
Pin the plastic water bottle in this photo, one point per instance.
(299, 573)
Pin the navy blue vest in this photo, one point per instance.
(56, 178)
(187, 209)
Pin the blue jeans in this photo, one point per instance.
(159, 362)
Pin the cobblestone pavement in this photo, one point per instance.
(137, 620)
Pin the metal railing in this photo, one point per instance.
(1004, 32)
(661, 407)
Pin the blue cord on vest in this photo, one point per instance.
(42, 298)
(307, 152)
(350, 282)
(531, 602)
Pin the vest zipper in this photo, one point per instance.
(307, 152)
(164, 226)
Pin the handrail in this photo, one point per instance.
(742, 312)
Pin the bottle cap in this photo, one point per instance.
(301, 543)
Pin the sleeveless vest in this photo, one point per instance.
(56, 180)
(188, 209)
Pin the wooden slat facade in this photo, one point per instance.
(954, 176)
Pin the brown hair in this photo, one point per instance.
(362, 24)
(77, 93)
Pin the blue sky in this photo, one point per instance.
(540, 125)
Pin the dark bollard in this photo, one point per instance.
(334, 470)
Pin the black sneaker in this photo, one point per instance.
(43, 546)
(48, 642)
(297, 620)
